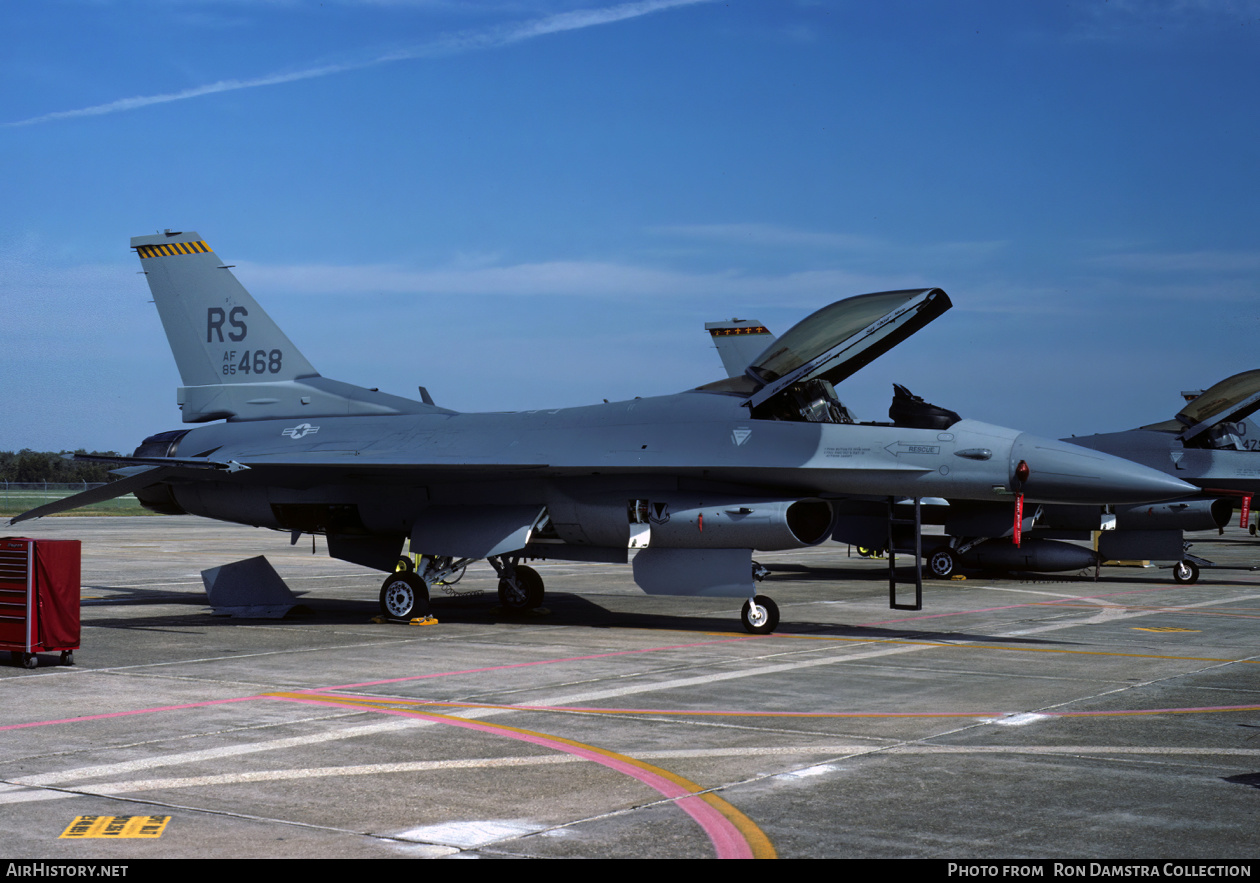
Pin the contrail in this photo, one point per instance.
(463, 41)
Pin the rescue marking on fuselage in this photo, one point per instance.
(897, 448)
(740, 435)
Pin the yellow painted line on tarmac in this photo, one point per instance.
(970, 646)
(417, 706)
(733, 834)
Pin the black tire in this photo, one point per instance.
(404, 596)
(1251, 529)
(524, 592)
(67, 657)
(404, 565)
(30, 660)
(942, 562)
(1185, 572)
(760, 615)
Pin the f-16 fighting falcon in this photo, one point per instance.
(693, 481)
(1209, 443)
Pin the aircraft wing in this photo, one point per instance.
(294, 468)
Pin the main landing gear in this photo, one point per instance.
(943, 562)
(405, 593)
(520, 587)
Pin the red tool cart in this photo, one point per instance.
(39, 598)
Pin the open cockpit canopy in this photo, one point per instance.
(1209, 421)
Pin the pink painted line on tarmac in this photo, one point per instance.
(725, 837)
(473, 671)
(93, 717)
(97, 717)
(679, 712)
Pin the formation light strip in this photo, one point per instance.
(171, 249)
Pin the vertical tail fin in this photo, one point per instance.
(217, 331)
(738, 342)
(234, 360)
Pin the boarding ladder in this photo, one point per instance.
(893, 522)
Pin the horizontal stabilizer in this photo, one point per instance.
(184, 462)
(123, 486)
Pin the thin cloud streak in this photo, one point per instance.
(464, 41)
(585, 279)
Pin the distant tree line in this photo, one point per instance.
(28, 465)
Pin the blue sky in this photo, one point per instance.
(538, 203)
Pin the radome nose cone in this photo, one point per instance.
(1062, 472)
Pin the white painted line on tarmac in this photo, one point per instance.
(844, 751)
(115, 769)
(849, 653)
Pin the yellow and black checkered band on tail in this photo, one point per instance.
(750, 329)
(171, 249)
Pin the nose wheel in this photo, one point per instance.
(760, 615)
(1185, 572)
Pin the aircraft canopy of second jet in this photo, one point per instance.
(1208, 420)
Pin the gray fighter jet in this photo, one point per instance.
(1209, 443)
(694, 481)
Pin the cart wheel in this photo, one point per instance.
(30, 660)
(67, 657)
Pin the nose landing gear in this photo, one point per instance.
(760, 615)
